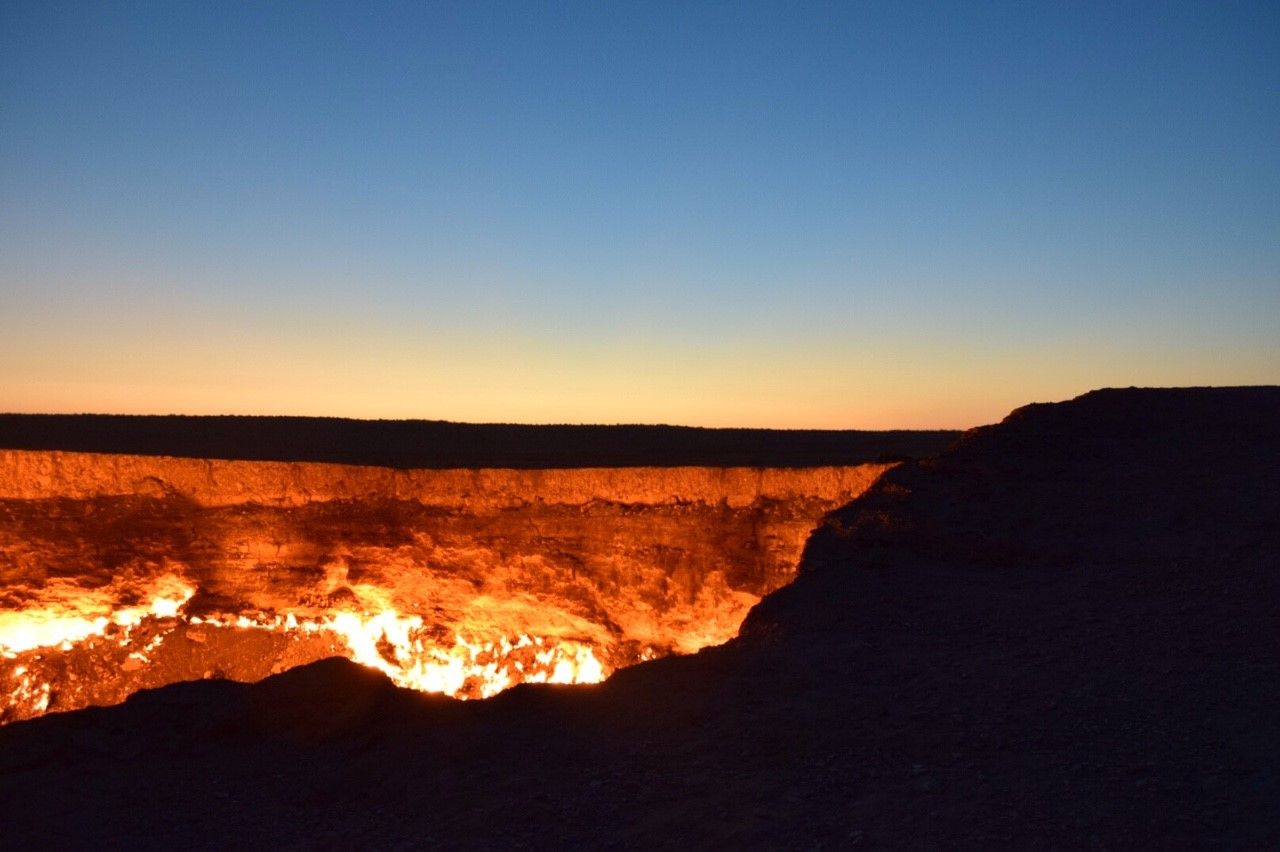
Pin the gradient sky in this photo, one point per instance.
(787, 214)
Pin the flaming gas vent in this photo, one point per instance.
(122, 573)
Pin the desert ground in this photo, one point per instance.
(1058, 632)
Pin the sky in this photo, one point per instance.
(789, 215)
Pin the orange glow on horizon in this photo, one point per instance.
(875, 382)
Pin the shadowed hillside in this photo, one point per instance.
(1059, 633)
(440, 444)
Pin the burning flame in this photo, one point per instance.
(405, 647)
(400, 647)
(68, 614)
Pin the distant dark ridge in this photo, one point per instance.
(441, 444)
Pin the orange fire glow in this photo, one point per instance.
(475, 663)
(124, 573)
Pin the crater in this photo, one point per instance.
(131, 572)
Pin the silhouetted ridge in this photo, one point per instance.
(441, 444)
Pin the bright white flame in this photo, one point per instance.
(479, 661)
(70, 615)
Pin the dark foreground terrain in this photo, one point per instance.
(441, 444)
(1062, 632)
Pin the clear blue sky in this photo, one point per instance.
(755, 214)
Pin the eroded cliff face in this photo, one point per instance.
(125, 572)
